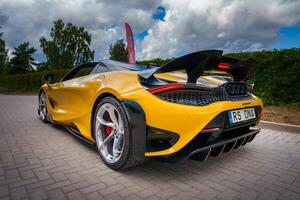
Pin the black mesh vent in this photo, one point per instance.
(200, 97)
(218, 121)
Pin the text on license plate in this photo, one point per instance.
(241, 115)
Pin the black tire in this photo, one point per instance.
(127, 159)
(44, 115)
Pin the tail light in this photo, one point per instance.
(224, 66)
(166, 88)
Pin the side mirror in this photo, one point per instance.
(48, 78)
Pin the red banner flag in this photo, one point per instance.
(130, 44)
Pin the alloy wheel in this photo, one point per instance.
(42, 106)
(109, 132)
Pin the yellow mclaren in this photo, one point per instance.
(176, 111)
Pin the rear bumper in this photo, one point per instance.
(226, 141)
(186, 121)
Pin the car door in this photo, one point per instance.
(70, 98)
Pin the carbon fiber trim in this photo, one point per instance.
(201, 97)
(217, 122)
(200, 148)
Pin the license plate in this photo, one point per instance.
(236, 116)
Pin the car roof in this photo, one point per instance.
(118, 66)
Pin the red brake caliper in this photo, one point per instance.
(107, 129)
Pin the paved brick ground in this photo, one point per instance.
(40, 161)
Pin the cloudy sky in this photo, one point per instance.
(162, 28)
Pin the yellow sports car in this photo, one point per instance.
(183, 109)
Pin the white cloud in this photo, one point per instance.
(28, 20)
(190, 25)
(231, 25)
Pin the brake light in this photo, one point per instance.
(224, 66)
(166, 88)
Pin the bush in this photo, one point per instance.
(277, 76)
(30, 82)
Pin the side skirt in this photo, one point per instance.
(75, 132)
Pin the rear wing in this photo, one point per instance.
(196, 63)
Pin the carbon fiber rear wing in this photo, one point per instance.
(196, 63)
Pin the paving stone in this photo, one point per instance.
(40, 184)
(92, 188)
(75, 186)
(94, 196)
(168, 193)
(289, 195)
(228, 194)
(130, 190)
(27, 174)
(57, 185)
(4, 191)
(37, 194)
(268, 194)
(148, 192)
(18, 193)
(12, 173)
(75, 195)
(42, 161)
(56, 194)
(111, 189)
(248, 194)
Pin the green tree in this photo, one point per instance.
(118, 51)
(155, 61)
(69, 45)
(3, 56)
(22, 61)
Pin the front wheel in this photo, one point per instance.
(42, 110)
(112, 134)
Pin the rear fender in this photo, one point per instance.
(137, 122)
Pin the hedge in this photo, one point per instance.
(30, 82)
(276, 79)
(277, 76)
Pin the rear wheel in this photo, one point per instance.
(42, 111)
(112, 134)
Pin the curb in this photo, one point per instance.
(280, 126)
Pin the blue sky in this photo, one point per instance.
(158, 14)
(288, 37)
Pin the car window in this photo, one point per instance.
(79, 71)
(99, 69)
(83, 72)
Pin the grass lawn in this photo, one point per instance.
(282, 114)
